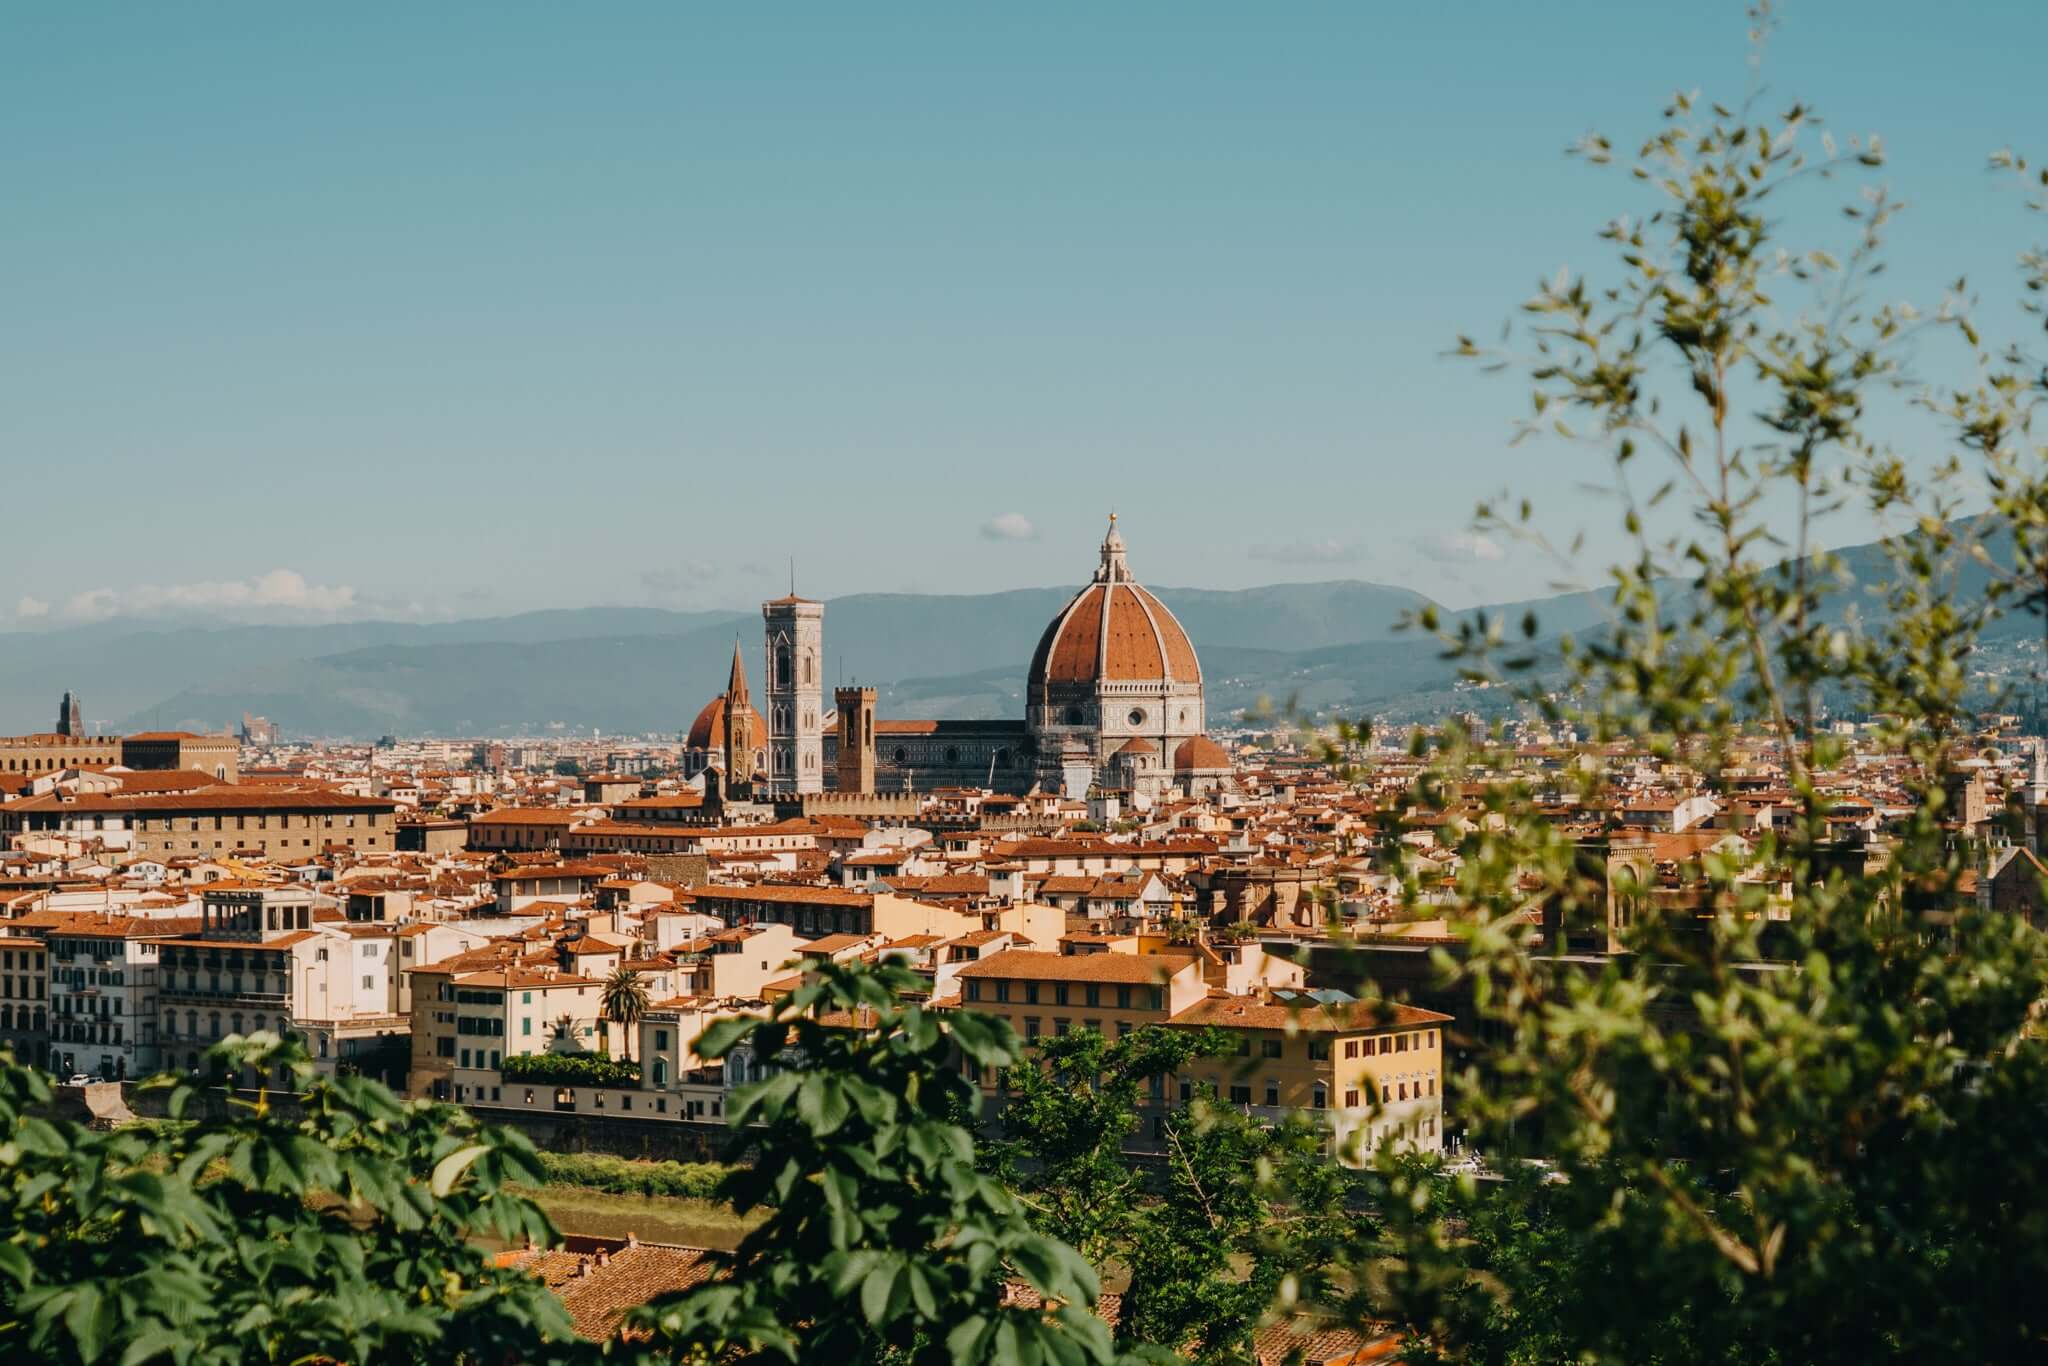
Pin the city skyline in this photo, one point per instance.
(455, 314)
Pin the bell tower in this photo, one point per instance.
(796, 721)
(856, 739)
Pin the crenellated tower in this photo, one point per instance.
(856, 739)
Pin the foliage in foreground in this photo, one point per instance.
(347, 1233)
(1207, 1240)
(1803, 1115)
(882, 1242)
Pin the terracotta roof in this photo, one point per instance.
(668, 830)
(164, 780)
(545, 871)
(1249, 1012)
(677, 800)
(599, 1289)
(125, 927)
(809, 896)
(1030, 965)
(522, 978)
(225, 798)
(279, 944)
(530, 815)
(833, 943)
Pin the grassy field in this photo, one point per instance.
(653, 1218)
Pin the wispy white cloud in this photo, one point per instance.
(1329, 550)
(30, 608)
(1459, 547)
(1010, 526)
(280, 591)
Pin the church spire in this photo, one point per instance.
(740, 736)
(736, 685)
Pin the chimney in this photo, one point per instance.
(632, 1238)
(604, 1257)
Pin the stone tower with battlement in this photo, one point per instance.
(856, 759)
(70, 718)
(795, 710)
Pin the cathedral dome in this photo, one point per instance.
(1113, 632)
(707, 732)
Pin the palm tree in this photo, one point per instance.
(625, 1002)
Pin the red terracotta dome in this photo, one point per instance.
(1113, 631)
(708, 730)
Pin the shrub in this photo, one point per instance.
(619, 1176)
(570, 1069)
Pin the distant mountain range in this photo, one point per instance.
(1325, 646)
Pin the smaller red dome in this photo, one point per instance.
(708, 730)
(1200, 753)
(1140, 745)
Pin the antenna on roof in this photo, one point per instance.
(792, 576)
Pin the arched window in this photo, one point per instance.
(213, 1023)
(782, 675)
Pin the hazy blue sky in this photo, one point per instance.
(453, 309)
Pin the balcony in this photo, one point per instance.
(172, 993)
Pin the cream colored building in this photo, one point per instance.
(215, 821)
(1371, 1072)
(521, 1010)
